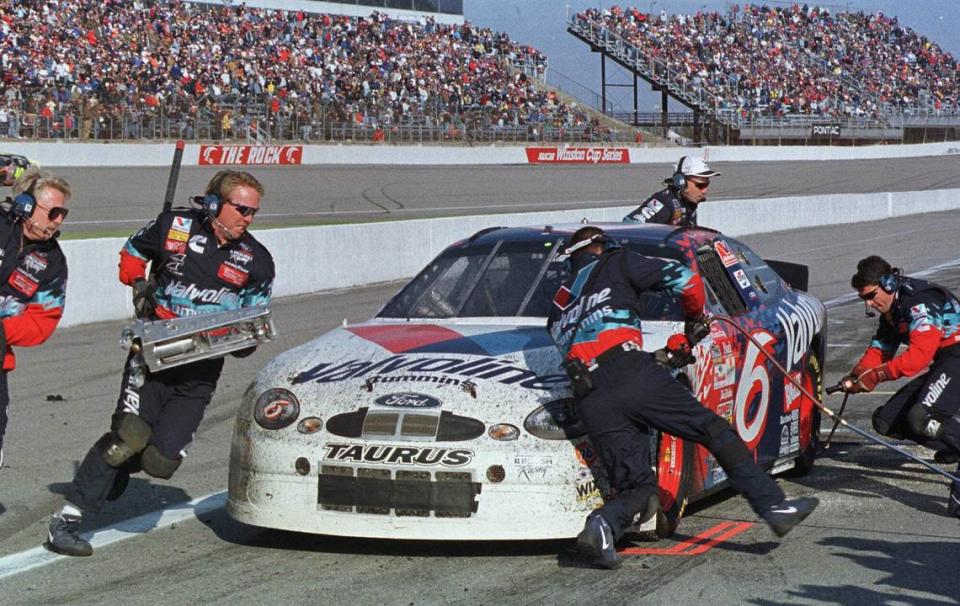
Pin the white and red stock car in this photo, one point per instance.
(447, 416)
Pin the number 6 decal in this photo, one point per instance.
(754, 384)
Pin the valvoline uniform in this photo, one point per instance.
(33, 285)
(925, 317)
(631, 391)
(586, 324)
(196, 276)
(666, 207)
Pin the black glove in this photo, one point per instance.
(243, 353)
(144, 297)
(697, 329)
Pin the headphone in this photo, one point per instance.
(24, 205)
(210, 204)
(679, 180)
(889, 283)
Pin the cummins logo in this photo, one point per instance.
(936, 389)
(408, 400)
(398, 455)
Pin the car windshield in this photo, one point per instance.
(504, 279)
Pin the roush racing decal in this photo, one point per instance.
(398, 455)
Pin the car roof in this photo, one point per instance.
(643, 233)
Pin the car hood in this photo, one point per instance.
(418, 364)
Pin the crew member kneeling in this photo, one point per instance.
(925, 316)
(620, 389)
(206, 262)
(33, 270)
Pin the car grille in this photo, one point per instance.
(449, 494)
(408, 425)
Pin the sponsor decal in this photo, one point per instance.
(791, 393)
(936, 389)
(175, 246)
(398, 455)
(442, 370)
(563, 297)
(197, 243)
(175, 263)
(179, 236)
(241, 257)
(753, 392)
(742, 279)
(570, 316)
(23, 283)
(181, 224)
(825, 130)
(578, 155)
(588, 490)
(723, 251)
(408, 400)
(651, 208)
(800, 323)
(34, 262)
(533, 460)
(250, 154)
(790, 432)
(213, 296)
(585, 453)
(231, 275)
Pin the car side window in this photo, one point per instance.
(718, 280)
(763, 278)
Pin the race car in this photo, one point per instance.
(447, 415)
(12, 166)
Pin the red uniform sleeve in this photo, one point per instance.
(33, 326)
(692, 298)
(874, 356)
(131, 268)
(918, 355)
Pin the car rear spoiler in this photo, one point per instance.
(794, 274)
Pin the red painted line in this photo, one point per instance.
(697, 545)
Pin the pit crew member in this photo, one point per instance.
(677, 204)
(926, 317)
(207, 262)
(621, 390)
(33, 270)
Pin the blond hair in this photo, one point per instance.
(33, 181)
(225, 181)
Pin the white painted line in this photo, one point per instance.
(16, 563)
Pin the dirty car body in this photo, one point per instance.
(447, 415)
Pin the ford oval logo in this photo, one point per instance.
(408, 400)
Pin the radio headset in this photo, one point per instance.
(678, 181)
(889, 283)
(210, 204)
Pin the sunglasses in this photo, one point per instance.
(701, 184)
(246, 211)
(55, 212)
(868, 296)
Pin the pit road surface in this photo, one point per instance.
(879, 536)
(125, 198)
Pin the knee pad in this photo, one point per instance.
(157, 465)
(922, 423)
(881, 425)
(725, 445)
(127, 440)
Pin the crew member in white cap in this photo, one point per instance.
(677, 204)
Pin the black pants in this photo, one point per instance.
(633, 393)
(4, 404)
(935, 393)
(172, 402)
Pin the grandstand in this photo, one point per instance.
(797, 74)
(231, 71)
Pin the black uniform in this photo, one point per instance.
(196, 276)
(630, 390)
(666, 206)
(33, 284)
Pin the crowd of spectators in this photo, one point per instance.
(788, 61)
(77, 66)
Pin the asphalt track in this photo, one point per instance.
(125, 198)
(879, 536)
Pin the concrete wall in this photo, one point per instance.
(313, 259)
(134, 154)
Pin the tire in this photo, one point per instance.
(674, 481)
(810, 423)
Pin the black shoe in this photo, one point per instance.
(64, 537)
(596, 540)
(783, 517)
(945, 457)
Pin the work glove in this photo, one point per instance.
(868, 380)
(144, 297)
(677, 353)
(697, 329)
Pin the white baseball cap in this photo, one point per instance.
(696, 167)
